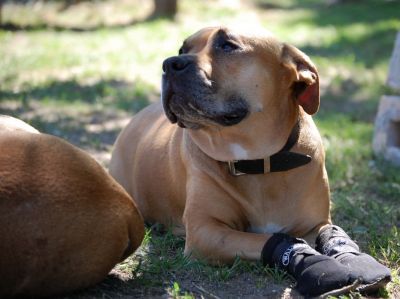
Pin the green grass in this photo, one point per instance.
(161, 256)
(77, 71)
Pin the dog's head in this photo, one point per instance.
(221, 78)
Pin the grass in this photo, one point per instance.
(81, 71)
(161, 256)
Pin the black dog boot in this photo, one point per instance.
(315, 274)
(334, 242)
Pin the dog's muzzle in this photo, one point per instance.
(175, 71)
(189, 98)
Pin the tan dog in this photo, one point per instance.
(244, 173)
(64, 221)
(239, 98)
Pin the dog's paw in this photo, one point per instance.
(335, 243)
(316, 274)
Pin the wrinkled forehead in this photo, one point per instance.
(199, 40)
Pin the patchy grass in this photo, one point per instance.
(81, 71)
(159, 268)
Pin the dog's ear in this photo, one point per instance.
(305, 79)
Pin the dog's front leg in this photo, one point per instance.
(215, 227)
(217, 242)
(215, 223)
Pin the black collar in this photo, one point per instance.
(281, 161)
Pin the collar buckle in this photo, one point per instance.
(281, 161)
(233, 170)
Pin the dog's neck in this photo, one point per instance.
(243, 141)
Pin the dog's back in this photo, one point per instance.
(64, 221)
(151, 135)
(8, 123)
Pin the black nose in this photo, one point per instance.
(176, 64)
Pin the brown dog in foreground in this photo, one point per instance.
(64, 221)
(244, 172)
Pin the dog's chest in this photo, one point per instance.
(274, 206)
(274, 221)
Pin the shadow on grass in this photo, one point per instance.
(343, 98)
(159, 269)
(116, 93)
(350, 12)
(78, 129)
(340, 14)
(87, 115)
(43, 25)
(115, 287)
(94, 131)
(370, 49)
(370, 43)
(14, 27)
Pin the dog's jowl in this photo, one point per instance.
(233, 159)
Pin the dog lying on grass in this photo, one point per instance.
(64, 221)
(243, 171)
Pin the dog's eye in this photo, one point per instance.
(180, 51)
(228, 47)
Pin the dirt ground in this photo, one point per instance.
(242, 286)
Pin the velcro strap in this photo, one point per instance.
(292, 250)
(280, 249)
(339, 245)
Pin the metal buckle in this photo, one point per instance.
(232, 169)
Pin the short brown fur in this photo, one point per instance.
(64, 221)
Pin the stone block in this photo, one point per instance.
(386, 140)
(393, 80)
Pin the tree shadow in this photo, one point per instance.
(13, 27)
(92, 131)
(89, 116)
(343, 98)
(370, 48)
(350, 12)
(114, 286)
(160, 263)
(339, 14)
(45, 25)
(128, 96)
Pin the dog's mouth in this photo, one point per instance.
(194, 112)
(173, 107)
(232, 118)
(166, 95)
(183, 115)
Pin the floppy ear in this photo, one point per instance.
(305, 85)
